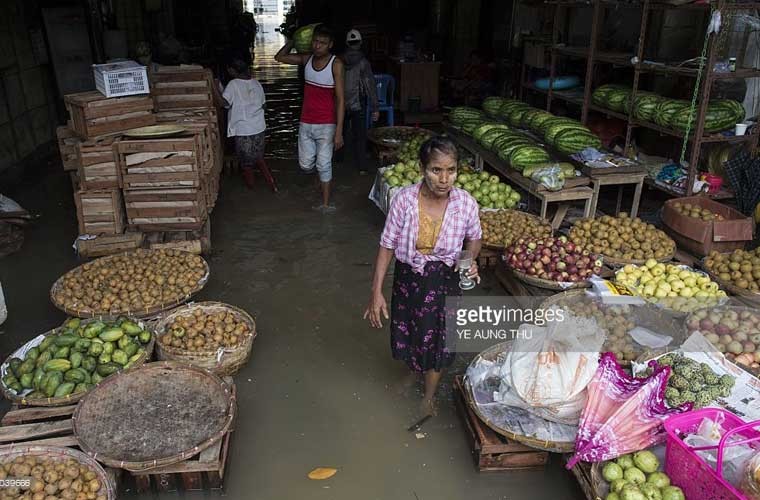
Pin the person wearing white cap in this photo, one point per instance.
(359, 83)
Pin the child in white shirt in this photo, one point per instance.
(244, 97)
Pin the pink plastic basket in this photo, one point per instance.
(687, 470)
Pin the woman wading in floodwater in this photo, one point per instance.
(427, 225)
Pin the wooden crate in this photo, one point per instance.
(97, 164)
(49, 426)
(100, 212)
(109, 244)
(203, 471)
(150, 210)
(492, 451)
(203, 121)
(159, 163)
(197, 242)
(174, 87)
(93, 115)
(67, 147)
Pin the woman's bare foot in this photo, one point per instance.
(427, 408)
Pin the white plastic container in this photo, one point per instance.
(121, 79)
(740, 129)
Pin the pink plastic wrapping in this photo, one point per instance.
(623, 414)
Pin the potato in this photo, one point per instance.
(51, 488)
(36, 485)
(50, 476)
(76, 485)
(68, 494)
(94, 485)
(64, 483)
(40, 495)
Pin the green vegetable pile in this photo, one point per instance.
(76, 358)
(636, 477)
(693, 382)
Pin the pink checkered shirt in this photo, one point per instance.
(460, 222)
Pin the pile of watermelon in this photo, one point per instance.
(466, 118)
(673, 113)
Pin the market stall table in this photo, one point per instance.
(575, 189)
(618, 179)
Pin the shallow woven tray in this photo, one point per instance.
(375, 135)
(224, 361)
(547, 284)
(751, 298)
(532, 216)
(160, 414)
(141, 314)
(490, 354)
(638, 262)
(71, 398)
(107, 487)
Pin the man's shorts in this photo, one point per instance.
(315, 148)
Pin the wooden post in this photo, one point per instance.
(553, 59)
(637, 72)
(595, 22)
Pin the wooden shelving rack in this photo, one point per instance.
(594, 56)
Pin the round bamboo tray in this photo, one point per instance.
(637, 262)
(375, 135)
(548, 284)
(223, 361)
(146, 313)
(20, 399)
(160, 414)
(526, 214)
(491, 354)
(107, 486)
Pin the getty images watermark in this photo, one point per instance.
(23, 483)
(473, 324)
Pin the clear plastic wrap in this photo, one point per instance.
(750, 484)
(550, 177)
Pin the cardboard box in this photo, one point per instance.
(702, 237)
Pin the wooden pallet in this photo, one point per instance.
(492, 451)
(159, 163)
(174, 87)
(109, 244)
(67, 147)
(152, 210)
(100, 212)
(93, 115)
(96, 163)
(203, 471)
(197, 242)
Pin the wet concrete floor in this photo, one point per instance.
(319, 389)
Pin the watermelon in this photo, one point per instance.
(514, 117)
(538, 119)
(469, 126)
(302, 38)
(526, 155)
(615, 99)
(527, 117)
(555, 120)
(504, 149)
(487, 138)
(735, 106)
(645, 106)
(553, 130)
(458, 115)
(508, 107)
(599, 96)
(483, 128)
(717, 118)
(492, 104)
(664, 111)
(570, 141)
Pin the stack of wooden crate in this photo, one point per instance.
(128, 192)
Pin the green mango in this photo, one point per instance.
(14, 363)
(89, 363)
(131, 349)
(64, 389)
(104, 358)
(75, 375)
(62, 352)
(54, 380)
(26, 380)
(109, 347)
(46, 343)
(130, 328)
(37, 377)
(120, 357)
(26, 367)
(65, 340)
(44, 357)
(144, 336)
(107, 369)
(93, 329)
(33, 353)
(76, 359)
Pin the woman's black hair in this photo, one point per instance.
(438, 145)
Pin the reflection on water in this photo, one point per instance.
(284, 91)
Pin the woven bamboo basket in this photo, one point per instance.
(637, 262)
(107, 486)
(548, 284)
(224, 361)
(751, 298)
(20, 399)
(160, 414)
(491, 354)
(148, 312)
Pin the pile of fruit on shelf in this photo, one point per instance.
(696, 212)
(51, 478)
(636, 476)
(404, 136)
(552, 259)
(622, 238)
(676, 114)
(678, 288)
(403, 173)
(135, 281)
(733, 331)
(739, 268)
(693, 382)
(75, 358)
(205, 331)
(502, 227)
(488, 190)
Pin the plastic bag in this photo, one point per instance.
(547, 374)
(3, 308)
(750, 483)
(551, 177)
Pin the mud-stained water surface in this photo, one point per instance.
(320, 388)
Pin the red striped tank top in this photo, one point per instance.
(319, 94)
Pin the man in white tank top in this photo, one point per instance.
(321, 125)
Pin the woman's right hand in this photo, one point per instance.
(375, 308)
